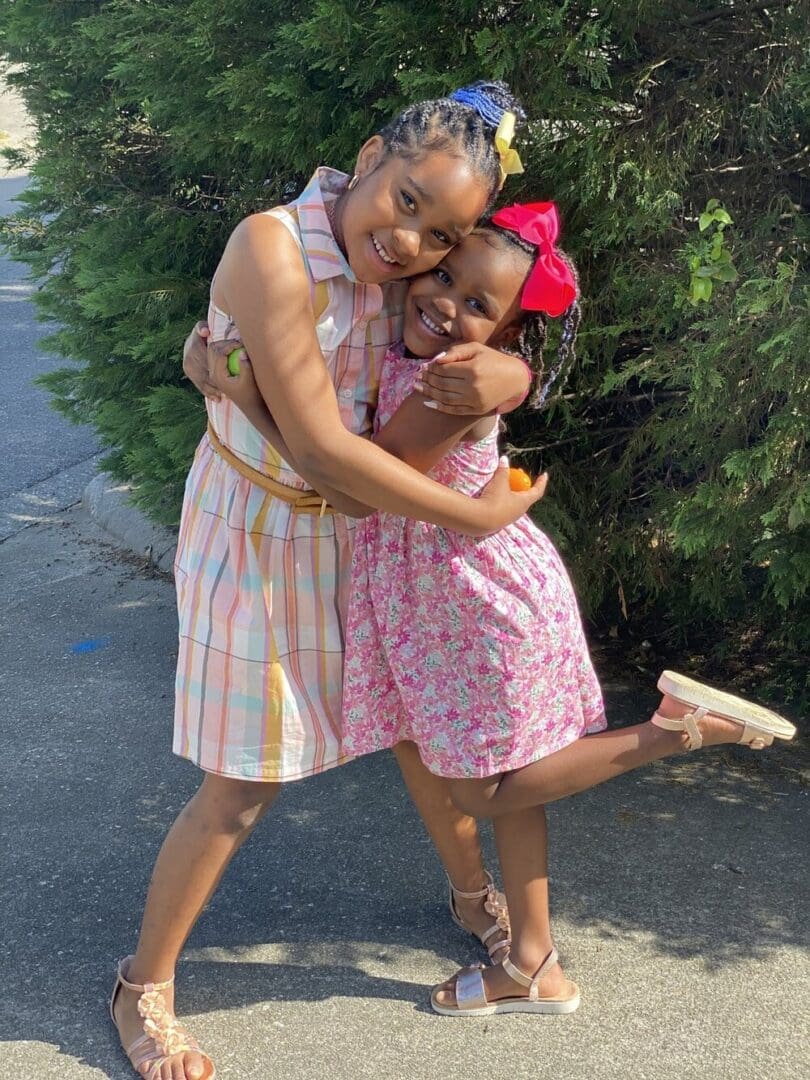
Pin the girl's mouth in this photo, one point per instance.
(430, 325)
(382, 253)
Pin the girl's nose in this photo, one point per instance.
(445, 306)
(407, 243)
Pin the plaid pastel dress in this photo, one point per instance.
(261, 589)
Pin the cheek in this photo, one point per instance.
(474, 329)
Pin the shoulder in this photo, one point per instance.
(264, 236)
(262, 251)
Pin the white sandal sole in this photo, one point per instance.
(755, 718)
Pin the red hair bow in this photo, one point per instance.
(550, 286)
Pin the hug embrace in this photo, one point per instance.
(354, 571)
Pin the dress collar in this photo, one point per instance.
(325, 258)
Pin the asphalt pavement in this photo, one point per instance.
(679, 892)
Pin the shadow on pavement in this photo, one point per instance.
(338, 894)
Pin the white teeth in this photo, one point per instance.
(381, 251)
(431, 325)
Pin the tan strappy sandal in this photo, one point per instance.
(494, 905)
(471, 993)
(760, 726)
(163, 1036)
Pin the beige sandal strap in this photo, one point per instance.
(687, 723)
(531, 981)
(487, 934)
(472, 895)
(496, 946)
(494, 904)
(755, 738)
(136, 987)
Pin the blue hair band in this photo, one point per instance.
(479, 100)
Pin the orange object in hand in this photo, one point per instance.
(519, 480)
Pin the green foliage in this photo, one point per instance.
(675, 139)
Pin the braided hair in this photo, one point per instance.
(464, 122)
(533, 336)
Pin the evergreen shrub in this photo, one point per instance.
(675, 140)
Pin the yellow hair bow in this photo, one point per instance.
(509, 159)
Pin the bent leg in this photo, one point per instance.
(584, 764)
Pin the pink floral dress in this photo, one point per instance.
(471, 648)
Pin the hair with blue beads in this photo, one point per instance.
(465, 123)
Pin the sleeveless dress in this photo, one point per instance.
(471, 648)
(261, 589)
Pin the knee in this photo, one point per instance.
(470, 797)
(234, 806)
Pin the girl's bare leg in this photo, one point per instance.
(585, 763)
(522, 841)
(194, 856)
(454, 834)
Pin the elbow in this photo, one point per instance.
(318, 464)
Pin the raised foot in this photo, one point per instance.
(715, 730)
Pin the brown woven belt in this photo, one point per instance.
(302, 502)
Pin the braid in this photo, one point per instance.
(566, 355)
(465, 121)
(534, 327)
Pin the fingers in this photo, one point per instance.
(217, 360)
(455, 410)
(465, 350)
(538, 489)
(213, 393)
(444, 394)
(201, 329)
(436, 377)
(219, 350)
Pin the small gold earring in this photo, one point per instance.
(352, 183)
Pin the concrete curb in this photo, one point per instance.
(108, 503)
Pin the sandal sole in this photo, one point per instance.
(729, 706)
(544, 1007)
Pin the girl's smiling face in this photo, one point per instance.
(472, 295)
(403, 216)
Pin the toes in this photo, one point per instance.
(445, 994)
(194, 1067)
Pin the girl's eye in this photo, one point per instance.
(443, 238)
(476, 305)
(409, 200)
(442, 275)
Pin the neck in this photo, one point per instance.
(335, 211)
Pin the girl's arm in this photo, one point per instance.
(421, 436)
(263, 285)
(244, 393)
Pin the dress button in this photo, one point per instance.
(345, 393)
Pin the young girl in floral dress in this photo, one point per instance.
(473, 649)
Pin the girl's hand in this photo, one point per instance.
(242, 389)
(503, 506)
(195, 361)
(473, 380)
